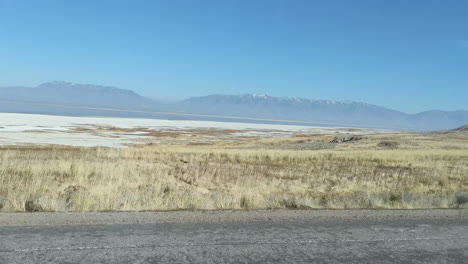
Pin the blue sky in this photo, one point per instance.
(407, 55)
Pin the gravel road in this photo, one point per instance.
(283, 236)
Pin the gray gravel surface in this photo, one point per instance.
(95, 218)
(368, 236)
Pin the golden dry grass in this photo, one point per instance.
(422, 171)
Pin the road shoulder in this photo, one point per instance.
(102, 218)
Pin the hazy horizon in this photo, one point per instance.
(175, 99)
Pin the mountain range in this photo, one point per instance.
(75, 94)
(84, 99)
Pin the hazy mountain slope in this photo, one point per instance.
(76, 94)
(320, 112)
(298, 109)
(436, 119)
(461, 129)
(458, 130)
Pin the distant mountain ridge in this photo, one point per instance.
(68, 93)
(347, 113)
(253, 106)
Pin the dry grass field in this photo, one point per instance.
(304, 171)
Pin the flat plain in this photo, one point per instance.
(50, 163)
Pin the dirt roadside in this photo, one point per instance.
(104, 218)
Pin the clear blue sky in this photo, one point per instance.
(410, 55)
